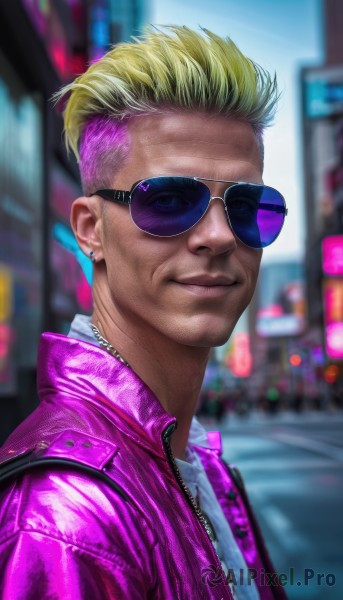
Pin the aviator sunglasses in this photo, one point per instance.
(168, 206)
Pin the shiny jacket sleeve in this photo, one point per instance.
(34, 565)
(63, 537)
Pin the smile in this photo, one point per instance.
(207, 288)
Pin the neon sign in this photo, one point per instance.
(333, 316)
(240, 360)
(332, 251)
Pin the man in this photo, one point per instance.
(111, 489)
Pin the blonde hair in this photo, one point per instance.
(169, 69)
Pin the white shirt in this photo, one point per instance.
(228, 552)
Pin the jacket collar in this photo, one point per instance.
(71, 368)
(81, 329)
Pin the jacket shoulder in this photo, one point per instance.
(47, 423)
(73, 508)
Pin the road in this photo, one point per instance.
(293, 469)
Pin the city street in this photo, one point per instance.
(293, 469)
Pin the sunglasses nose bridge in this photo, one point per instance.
(223, 201)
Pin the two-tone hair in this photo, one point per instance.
(167, 69)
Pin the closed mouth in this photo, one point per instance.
(206, 281)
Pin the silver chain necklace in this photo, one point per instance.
(105, 344)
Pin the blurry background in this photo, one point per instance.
(275, 390)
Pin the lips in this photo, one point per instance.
(207, 287)
(207, 280)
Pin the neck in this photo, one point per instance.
(174, 372)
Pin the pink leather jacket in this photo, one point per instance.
(93, 506)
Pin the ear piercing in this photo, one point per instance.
(92, 257)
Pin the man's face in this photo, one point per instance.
(193, 287)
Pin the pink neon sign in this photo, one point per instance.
(332, 250)
(333, 314)
(241, 359)
(334, 340)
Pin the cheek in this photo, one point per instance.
(254, 271)
(134, 259)
(252, 260)
(251, 265)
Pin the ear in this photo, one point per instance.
(86, 223)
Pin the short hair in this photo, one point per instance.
(174, 68)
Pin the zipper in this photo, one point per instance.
(167, 445)
(205, 523)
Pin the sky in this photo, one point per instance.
(282, 36)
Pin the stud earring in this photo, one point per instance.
(92, 257)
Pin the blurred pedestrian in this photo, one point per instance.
(111, 488)
(273, 399)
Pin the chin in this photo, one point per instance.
(209, 341)
(205, 337)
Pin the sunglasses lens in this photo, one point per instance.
(256, 213)
(167, 206)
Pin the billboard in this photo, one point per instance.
(281, 300)
(323, 122)
(323, 92)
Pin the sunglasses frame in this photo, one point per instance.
(125, 198)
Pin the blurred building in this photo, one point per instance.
(43, 44)
(266, 353)
(277, 322)
(322, 108)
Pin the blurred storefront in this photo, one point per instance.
(21, 265)
(43, 44)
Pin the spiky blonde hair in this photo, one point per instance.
(167, 69)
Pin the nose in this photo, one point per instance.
(212, 234)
